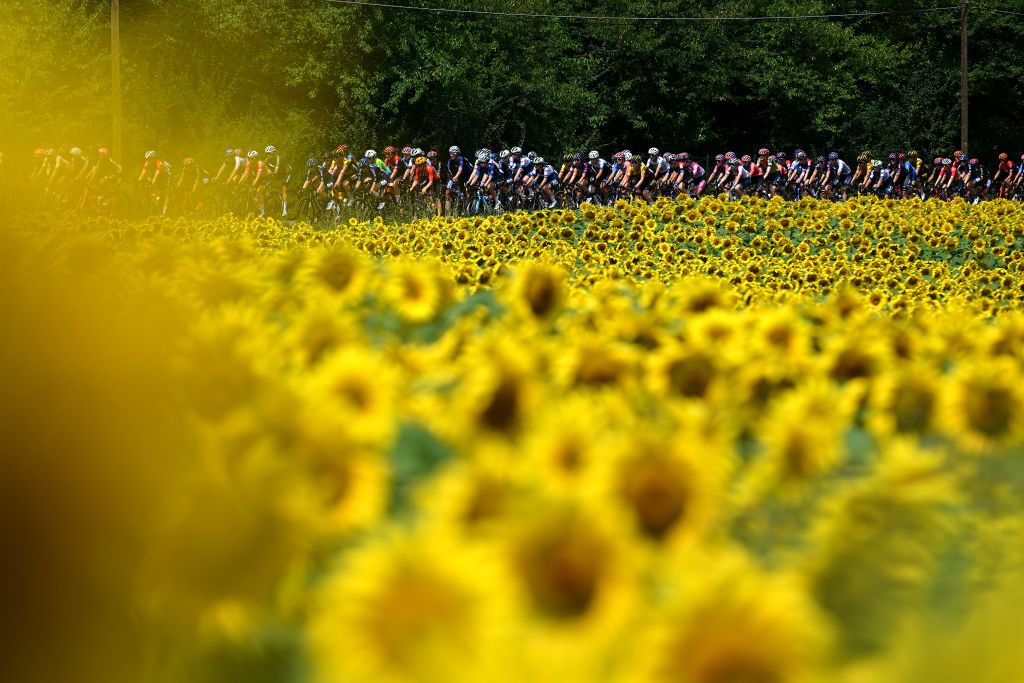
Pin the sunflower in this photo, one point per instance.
(730, 623)
(984, 405)
(801, 438)
(339, 271)
(416, 289)
(360, 387)
(668, 486)
(404, 608)
(538, 289)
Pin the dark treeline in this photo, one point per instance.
(202, 74)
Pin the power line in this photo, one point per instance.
(983, 8)
(597, 17)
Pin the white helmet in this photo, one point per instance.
(270, 149)
(654, 151)
(370, 154)
(483, 156)
(253, 154)
(150, 154)
(593, 154)
(76, 151)
(417, 152)
(516, 150)
(454, 149)
(538, 160)
(628, 155)
(503, 154)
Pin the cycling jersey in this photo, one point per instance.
(840, 168)
(459, 163)
(425, 173)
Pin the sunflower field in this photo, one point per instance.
(714, 442)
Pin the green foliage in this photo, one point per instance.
(307, 73)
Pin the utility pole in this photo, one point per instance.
(115, 75)
(963, 75)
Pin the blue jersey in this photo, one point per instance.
(459, 163)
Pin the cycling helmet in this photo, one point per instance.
(407, 150)
(957, 153)
(370, 154)
(763, 152)
(531, 155)
(683, 156)
(719, 157)
(819, 160)
(252, 154)
(628, 155)
(40, 152)
(516, 150)
(654, 151)
(947, 162)
(577, 157)
(503, 154)
(593, 154)
(797, 152)
(342, 148)
(103, 152)
(150, 154)
(901, 156)
(832, 156)
(432, 154)
(671, 158)
(417, 152)
(912, 154)
(938, 161)
(566, 157)
(311, 162)
(389, 151)
(270, 149)
(364, 162)
(1003, 156)
(801, 154)
(746, 159)
(419, 161)
(962, 157)
(877, 163)
(618, 156)
(454, 149)
(483, 156)
(538, 160)
(781, 156)
(973, 161)
(76, 151)
(228, 152)
(734, 161)
(730, 155)
(486, 151)
(49, 152)
(188, 161)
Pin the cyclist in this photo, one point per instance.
(101, 177)
(278, 175)
(651, 172)
(1004, 174)
(157, 173)
(692, 177)
(374, 176)
(425, 178)
(547, 181)
(718, 171)
(837, 174)
(459, 170)
(799, 172)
